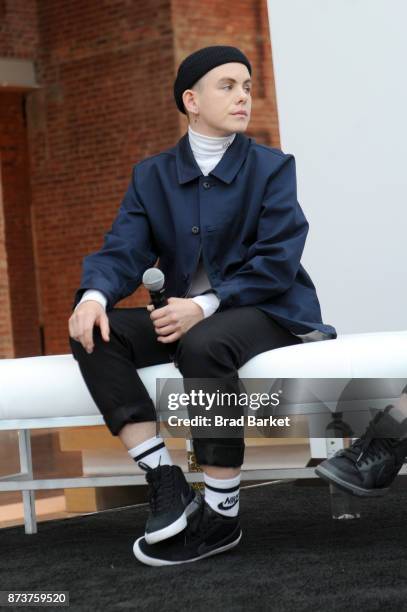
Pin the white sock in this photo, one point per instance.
(222, 494)
(153, 452)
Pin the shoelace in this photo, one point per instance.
(368, 446)
(369, 449)
(161, 488)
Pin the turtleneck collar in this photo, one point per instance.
(209, 146)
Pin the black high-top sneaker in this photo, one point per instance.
(368, 467)
(171, 500)
(208, 533)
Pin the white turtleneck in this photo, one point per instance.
(207, 151)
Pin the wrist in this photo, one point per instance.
(90, 301)
(199, 309)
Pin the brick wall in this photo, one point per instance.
(22, 285)
(19, 325)
(6, 329)
(106, 76)
(18, 28)
(106, 72)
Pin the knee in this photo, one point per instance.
(78, 351)
(199, 348)
(192, 346)
(115, 326)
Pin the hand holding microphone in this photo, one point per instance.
(173, 317)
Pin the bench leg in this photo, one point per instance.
(343, 505)
(24, 444)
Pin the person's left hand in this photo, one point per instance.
(175, 319)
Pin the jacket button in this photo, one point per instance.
(185, 277)
(206, 185)
(195, 229)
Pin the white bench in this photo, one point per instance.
(49, 392)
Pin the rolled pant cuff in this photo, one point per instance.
(211, 452)
(129, 413)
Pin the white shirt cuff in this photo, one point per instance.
(93, 294)
(208, 302)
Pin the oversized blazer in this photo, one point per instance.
(243, 217)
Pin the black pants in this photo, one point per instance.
(215, 347)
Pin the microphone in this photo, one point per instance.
(153, 280)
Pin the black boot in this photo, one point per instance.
(208, 533)
(171, 500)
(368, 467)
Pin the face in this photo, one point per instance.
(215, 99)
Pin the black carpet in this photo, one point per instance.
(292, 556)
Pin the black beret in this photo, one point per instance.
(193, 67)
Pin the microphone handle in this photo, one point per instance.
(158, 298)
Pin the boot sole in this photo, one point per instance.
(171, 530)
(153, 562)
(332, 478)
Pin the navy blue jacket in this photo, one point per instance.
(244, 216)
